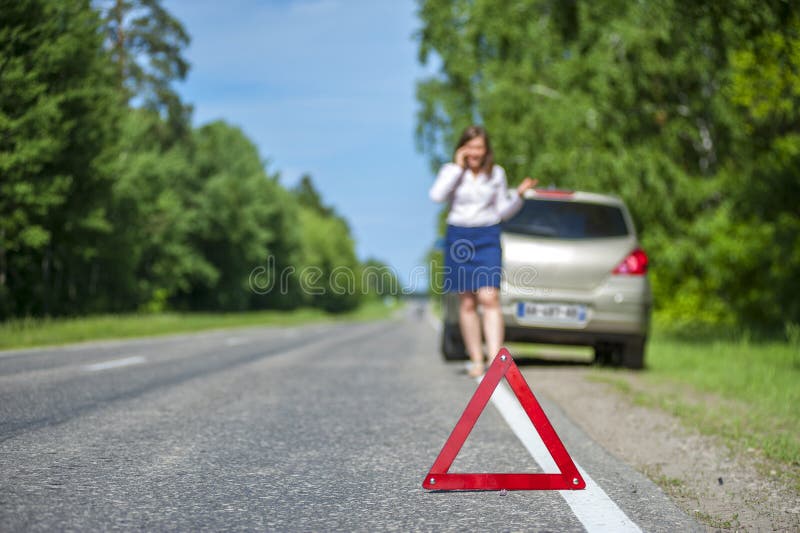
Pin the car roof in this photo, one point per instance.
(573, 196)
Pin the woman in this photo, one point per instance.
(479, 200)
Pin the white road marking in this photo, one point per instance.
(592, 506)
(235, 341)
(116, 363)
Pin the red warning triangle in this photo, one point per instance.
(440, 479)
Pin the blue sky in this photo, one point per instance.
(324, 87)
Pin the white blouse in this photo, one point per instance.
(475, 200)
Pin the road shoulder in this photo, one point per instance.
(719, 488)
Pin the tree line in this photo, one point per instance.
(111, 201)
(689, 111)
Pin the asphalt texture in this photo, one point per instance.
(319, 428)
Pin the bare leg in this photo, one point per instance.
(471, 330)
(493, 327)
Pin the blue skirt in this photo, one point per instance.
(472, 258)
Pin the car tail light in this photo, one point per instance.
(635, 264)
(553, 192)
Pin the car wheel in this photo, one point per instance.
(628, 354)
(453, 348)
(607, 355)
(633, 353)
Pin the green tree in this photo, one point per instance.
(243, 219)
(146, 43)
(155, 214)
(308, 196)
(687, 111)
(329, 274)
(379, 279)
(328, 271)
(109, 207)
(762, 181)
(57, 131)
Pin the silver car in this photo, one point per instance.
(573, 273)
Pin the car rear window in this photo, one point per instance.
(567, 220)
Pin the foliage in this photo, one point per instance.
(688, 112)
(240, 211)
(111, 202)
(156, 216)
(328, 270)
(379, 280)
(145, 43)
(58, 111)
(308, 196)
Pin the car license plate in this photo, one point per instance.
(551, 312)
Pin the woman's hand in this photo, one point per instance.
(526, 184)
(461, 157)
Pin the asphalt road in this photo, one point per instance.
(315, 428)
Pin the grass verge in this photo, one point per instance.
(29, 333)
(744, 391)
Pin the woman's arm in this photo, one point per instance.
(508, 203)
(446, 182)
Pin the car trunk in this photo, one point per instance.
(546, 263)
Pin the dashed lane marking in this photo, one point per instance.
(116, 363)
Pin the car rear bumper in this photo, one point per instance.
(573, 337)
(617, 311)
